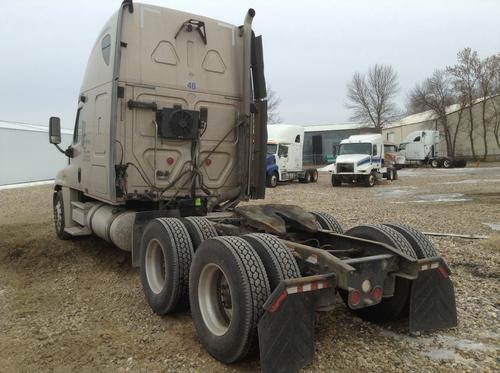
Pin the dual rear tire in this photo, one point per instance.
(409, 242)
(225, 280)
(230, 280)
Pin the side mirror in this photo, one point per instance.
(55, 130)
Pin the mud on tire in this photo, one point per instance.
(166, 254)
(228, 288)
(396, 306)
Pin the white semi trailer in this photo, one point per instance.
(170, 136)
(361, 160)
(286, 143)
(422, 147)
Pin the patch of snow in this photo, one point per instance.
(442, 347)
(493, 226)
(26, 185)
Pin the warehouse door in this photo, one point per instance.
(317, 149)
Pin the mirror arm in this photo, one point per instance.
(68, 152)
(59, 148)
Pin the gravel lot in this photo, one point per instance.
(78, 305)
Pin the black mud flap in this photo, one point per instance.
(432, 301)
(286, 334)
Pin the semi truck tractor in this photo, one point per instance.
(170, 139)
(362, 159)
(422, 148)
(285, 145)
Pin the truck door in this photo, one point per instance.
(75, 175)
(282, 158)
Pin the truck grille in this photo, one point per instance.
(345, 167)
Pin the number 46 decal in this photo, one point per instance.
(191, 85)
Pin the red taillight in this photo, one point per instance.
(208, 161)
(170, 161)
(377, 293)
(354, 297)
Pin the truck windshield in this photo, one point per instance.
(271, 148)
(356, 148)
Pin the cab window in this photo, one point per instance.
(77, 133)
(282, 151)
(374, 151)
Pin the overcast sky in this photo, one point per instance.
(311, 48)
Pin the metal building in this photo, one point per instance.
(484, 135)
(26, 155)
(320, 142)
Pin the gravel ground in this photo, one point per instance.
(78, 305)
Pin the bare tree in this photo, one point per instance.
(371, 96)
(465, 81)
(436, 94)
(273, 103)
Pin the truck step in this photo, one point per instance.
(81, 205)
(78, 231)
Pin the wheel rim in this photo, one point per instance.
(274, 180)
(446, 163)
(58, 215)
(215, 299)
(372, 180)
(434, 164)
(155, 267)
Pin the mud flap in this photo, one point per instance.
(286, 334)
(432, 301)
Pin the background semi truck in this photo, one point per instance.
(170, 137)
(362, 159)
(422, 147)
(285, 145)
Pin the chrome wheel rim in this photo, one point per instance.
(156, 273)
(58, 215)
(214, 296)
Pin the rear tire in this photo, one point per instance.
(166, 253)
(396, 306)
(307, 177)
(327, 221)
(435, 163)
(448, 163)
(423, 247)
(278, 261)
(390, 174)
(228, 288)
(59, 215)
(199, 229)
(314, 175)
